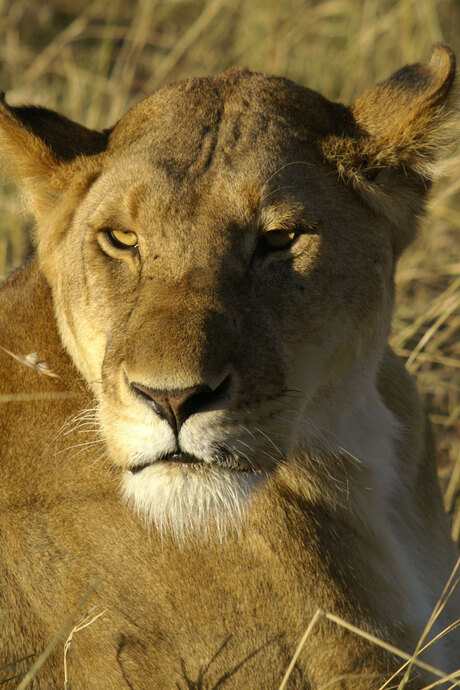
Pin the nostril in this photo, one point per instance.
(143, 391)
(159, 400)
(208, 398)
(177, 405)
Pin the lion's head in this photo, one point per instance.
(221, 264)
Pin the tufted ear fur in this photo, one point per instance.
(398, 129)
(46, 153)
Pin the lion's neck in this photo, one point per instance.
(348, 453)
(350, 419)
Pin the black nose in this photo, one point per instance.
(177, 405)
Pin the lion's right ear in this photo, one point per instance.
(45, 151)
(397, 131)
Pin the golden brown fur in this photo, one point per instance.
(313, 479)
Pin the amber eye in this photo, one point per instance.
(122, 239)
(279, 239)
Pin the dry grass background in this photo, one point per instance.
(93, 60)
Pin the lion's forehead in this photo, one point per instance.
(190, 126)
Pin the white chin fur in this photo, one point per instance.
(181, 501)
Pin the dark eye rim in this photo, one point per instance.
(108, 233)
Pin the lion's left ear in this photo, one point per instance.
(400, 127)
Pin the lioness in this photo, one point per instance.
(213, 432)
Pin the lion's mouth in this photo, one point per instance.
(221, 459)
(182, 458)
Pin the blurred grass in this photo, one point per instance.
(93, 60)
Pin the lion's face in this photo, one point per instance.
(215, 282)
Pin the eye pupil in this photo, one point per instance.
(122, 239)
